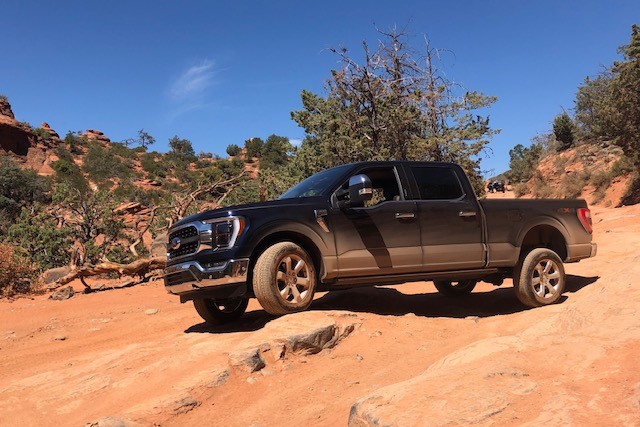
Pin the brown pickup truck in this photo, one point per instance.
(373, 223)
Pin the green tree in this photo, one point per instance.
(40, 235)
(625, 96)
(233, 150)
(395, 104)
(564, 131)
(254, 147)
(144, 139)
(275, 152)
(523, 162)
(19, 188)
(181, 147)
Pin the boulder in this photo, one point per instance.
(62, 293)
(54, 274)
(248, 360)
(159, 246)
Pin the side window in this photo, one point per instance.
(385, 185)
(437, 183)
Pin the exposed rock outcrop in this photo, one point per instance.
(53, 135)
(5, 108)
(96, 135)
(15, 137)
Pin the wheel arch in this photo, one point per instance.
(549, 234)
(311, 243)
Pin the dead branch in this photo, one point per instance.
(137, 267)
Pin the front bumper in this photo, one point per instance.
(190, 276)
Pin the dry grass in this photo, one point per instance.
(16, 272)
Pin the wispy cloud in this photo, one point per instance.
(192, 83)
(188, 91)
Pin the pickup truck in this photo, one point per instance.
(373, 223)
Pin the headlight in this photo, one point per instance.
(225, 231)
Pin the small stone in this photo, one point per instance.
(251, 380)
(474, 318)
(60, 337)
(375, 334)
(151, 311)
(62, 293)
(359, 357)
(267, 372)
(184, 405)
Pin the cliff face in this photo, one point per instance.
(15, 137)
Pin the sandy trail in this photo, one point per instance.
(139, 355)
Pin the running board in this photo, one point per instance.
(412, 277)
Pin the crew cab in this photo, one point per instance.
(373, 223)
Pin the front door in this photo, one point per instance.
(382, 237)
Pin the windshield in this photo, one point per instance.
(316, 184)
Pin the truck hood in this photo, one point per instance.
(248, 209)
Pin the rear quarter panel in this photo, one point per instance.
(509, 220)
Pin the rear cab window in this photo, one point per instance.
(437, 183)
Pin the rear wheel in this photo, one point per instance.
(222, 311)
(455, 289)
(540, 278)
(284, 279)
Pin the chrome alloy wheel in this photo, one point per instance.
(546, 279)
(293, 278)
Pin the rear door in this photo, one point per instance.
(382, 237)
(450, 219)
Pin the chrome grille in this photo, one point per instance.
(184, 233)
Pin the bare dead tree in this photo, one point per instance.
(220, 189)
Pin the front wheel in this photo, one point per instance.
(455, 289)
(284, 279)
(220, 311)
(540, 279)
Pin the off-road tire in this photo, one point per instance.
(540, 278)
(220, 312)
(455, 289)
(284, 279)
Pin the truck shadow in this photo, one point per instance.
(392, 302)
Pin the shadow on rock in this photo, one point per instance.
(388, 301)
(251, 321)
(575, 283)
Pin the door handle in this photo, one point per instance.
(405, 215)
(466, 214)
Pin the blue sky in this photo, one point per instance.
(219, 72)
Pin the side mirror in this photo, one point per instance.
(360, 190)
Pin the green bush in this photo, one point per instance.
(40, 236)
(155, 169)
(42, 134)
(102, 164)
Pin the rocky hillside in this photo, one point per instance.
(596, 172)
(92, 199)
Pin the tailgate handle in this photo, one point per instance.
(467, 214)
(405, 215)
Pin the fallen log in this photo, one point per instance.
(138, 267)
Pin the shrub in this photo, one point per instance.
(102, 164)
(572, 185)
(123, 151)
(40, 237)
(42, 134)
(153, 168)
(15, 272)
